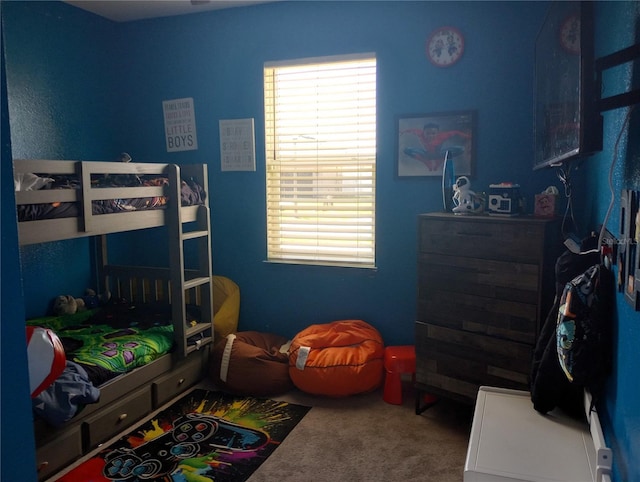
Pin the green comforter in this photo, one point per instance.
(117, 338)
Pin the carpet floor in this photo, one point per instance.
(363, 439)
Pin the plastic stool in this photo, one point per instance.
(397, 360)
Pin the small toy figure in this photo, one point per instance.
(465, 201)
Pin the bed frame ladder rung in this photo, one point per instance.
(190, 335)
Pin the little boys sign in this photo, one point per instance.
(180, 125)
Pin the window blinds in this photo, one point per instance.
(320, 126)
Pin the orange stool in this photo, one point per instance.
(397, 360)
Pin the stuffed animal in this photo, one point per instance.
(68, 305)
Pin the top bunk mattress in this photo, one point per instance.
(58, 200)
(191, 192)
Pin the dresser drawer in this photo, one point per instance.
(117, 417)
(184, 376)
(489, 278)
(459, 361)
(493, 317)
(483, 296)
(486, 238)
(60, 452)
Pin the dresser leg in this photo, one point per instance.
(424, 401)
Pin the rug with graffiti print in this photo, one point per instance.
(204, 436)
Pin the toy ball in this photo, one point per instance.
(46, 358)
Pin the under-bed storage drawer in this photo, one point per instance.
(117, 417)
(168, 386)
(59, 452)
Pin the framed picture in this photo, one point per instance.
(424, 140)
(629, 271)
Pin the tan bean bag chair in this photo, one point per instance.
(337, 359)
(251, 363)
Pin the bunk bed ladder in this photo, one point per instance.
(191, 286)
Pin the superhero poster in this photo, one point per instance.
(425, 140)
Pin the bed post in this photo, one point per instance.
(99, 247)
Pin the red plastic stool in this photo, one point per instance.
(397, 360)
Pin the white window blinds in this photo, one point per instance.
(320, 126)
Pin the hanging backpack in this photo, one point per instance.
(583, 329)
(549, 386)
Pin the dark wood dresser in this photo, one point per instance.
(485, 286)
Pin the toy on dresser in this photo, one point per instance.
(505, 199)
(465, 201)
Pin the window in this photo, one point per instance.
(320, 126)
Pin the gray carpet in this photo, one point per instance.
(362, 438)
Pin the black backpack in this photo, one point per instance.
(583, 328)
(549, 385)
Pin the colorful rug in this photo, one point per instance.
(205, 436)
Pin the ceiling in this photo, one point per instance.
(128, 10)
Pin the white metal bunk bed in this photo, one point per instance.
(128, 397)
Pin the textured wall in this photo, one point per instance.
(63, 80)
(16, 438)
(82, 87)
(217, 59)
(618, 27)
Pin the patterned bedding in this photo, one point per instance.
(191, 194)
(113, 339)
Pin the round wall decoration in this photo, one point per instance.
(445, 46)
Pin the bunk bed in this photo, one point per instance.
(76, 199)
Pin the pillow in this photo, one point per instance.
(29, 182)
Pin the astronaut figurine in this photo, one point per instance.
(465, 201)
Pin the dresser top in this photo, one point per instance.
(487, 218)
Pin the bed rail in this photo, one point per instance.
(144, 284)
(87, 223)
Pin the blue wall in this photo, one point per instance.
(618, 27)
(217, 58)
(16, 437)
(64, 83)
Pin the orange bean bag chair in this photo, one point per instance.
(251, 363)
(337, 359)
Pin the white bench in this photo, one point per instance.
(511, 441)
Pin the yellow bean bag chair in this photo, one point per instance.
(226, 306)
(337, 359)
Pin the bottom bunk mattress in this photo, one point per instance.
(99, 345)
(113, 339)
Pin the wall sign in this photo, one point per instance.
(180, 125)
(237, 145)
